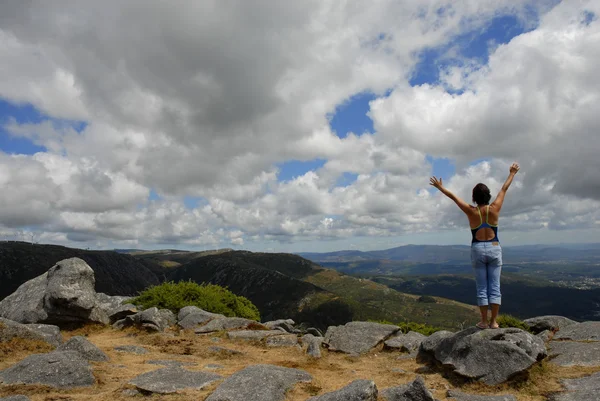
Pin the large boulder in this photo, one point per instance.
(586, 331)
(36, 332)
(358, 337)
(224, 323)
(573, 353)
(152, 319)
(313, 345)
(492, 356)
(409, 342)
(171, 379)
(414, 391)
(190, 317)
(64, 294)
(259, 383)
(549, 322)
(585, 388)
(358, 390)
(86, 349)
(63, 370)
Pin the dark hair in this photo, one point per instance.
(481, 194)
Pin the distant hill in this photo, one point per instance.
(116, 274)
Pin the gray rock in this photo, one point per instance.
(152, 319)
(550, 322)
(186, 310)
(213, 366)
(122, 312)
(15, 398)
(86, 349)
(132, 349)
(259, 383)
(121, 324)
(585, 388)
(224, 323)
(586, 331)
(285, 324)
(358, 337)
(170, 362)
(224, 351)
(567, 353)
(456, 395)
(545, 335)
(313, 345)
(409, 342)
(491, 356)
(314, 332)
(110, 304)
(286, 340)
(195, 319)
(36, 332)
(253, 334)
(414, 391)
(129, 392)
(583, 395)
(171, 379)
(429, 345)
(62, 370)
(64, 294)
(358, 390)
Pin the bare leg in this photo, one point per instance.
(484, 311)
(495, 310)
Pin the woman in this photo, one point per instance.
(486, 253)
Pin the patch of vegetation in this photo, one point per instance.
(19, 345)
(427, 299)
(405, 327)
(209, 297)
(505, 321)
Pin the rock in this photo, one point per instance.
(152, 319)
(121, 324)
(63, 370)
(110, 304)
(409, 342)
(414, 391)
(213, 366)
(550, 322)
(171, 379)
(253, 334)
(358, 390)
(586, 331)
(567, 353)
(358, 337)
(186, 310)
(455, 395)
(314, 332)
(64, 294)
(224, 323)
(122, 312)
(86, 349)
(585, 388)
(285, 324)
(286, 340)
(132, 349)
(313, 345)
(429, 345)
(170, 362)
(545, 335)
(129, 392)
(259, 383)
(193, 319)
(491, 356)
(15, 398)
(224, 351)
(36, 332)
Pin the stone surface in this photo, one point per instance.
(313, 345)
(567, 353)
(15, 398)
(110, 304)
(285, 324)
(583, 389)
(315, 332)
(224, 323)
(171, 379)
(193, 320)
(549, 322)
(253, 334)
(259, 383)
(414, 391)
(63, 370)
(545, 335)
(86, 349)
(187, 310)
(586, 331)
(455, 395)
(358, 337)
(286, 340)
(132, 349)
(151, 319)
(170, 362)
(224, 351)
(64, 294)
(36, 332)
(491, 356)
(409, 342)
(121, 312)
(358, 390)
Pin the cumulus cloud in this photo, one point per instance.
(203, 100)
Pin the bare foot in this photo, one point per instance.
(494, 325)
(482, 325)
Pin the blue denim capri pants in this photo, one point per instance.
(486, 259)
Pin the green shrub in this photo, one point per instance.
(210, 297)
(427, 299)
(505, 321)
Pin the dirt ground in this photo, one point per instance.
(332, 372)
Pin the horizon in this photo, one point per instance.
(295, 128)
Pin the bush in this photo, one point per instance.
(505, 321)
(209, 297)
(427, 299)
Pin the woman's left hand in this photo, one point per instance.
(436, 182)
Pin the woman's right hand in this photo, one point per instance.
(514, 168)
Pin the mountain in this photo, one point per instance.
(116, 274)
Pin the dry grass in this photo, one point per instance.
(330, 373)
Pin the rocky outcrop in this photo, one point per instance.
(409, 342)
(86, 349)
(259, 383)
(172, 379)
(152, 319)
(549, 322)
(191, 317)
(412, 391)
(358, 337)
(253, 334)
(586, 331)
(64, 294)
(585, 388)
(358, 390)
(63, 370)
(36, 332)
(224, 323)
(491, 356)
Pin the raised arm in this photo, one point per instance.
(497, 203)
(464, 206)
